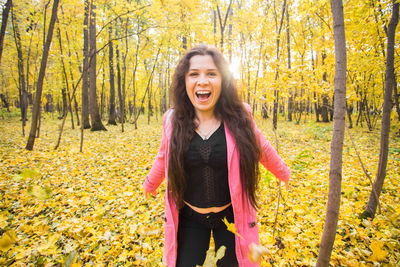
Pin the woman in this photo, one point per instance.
(210, 149)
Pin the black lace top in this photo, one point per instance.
(206, 170)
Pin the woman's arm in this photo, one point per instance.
(269, 157)
(157, 172)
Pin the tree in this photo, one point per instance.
(335, 173)
(42, 71)
(387, 107)
(222, 24)
(85, 77)
(97, 125)
(4, 18)
(278, 36)
(111, 114)
(23, 95)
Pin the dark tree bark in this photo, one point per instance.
(95, 119)
(124, 55)
(4, 18)
(67, 108)
(65, 91)
(134, 74)
(372, 204)
(38, 97)
(257, 74)
(349, 109)
(111, 112)
(23, 94)
(148, 85)
(72, 79)
(316, 100)
(325, 102)
(222, 24)
(335, 173)
(5, 102)
(276, 91)
(290, 101)
(85, 77)
(119, 83)
(396, 96)
(149, 105)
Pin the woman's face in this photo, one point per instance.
(203, 83)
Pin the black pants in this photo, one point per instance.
(194, 234)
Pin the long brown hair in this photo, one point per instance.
(229, 109)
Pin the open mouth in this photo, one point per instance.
(203, 95)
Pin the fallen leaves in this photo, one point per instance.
(66, 207)
(7, 240)
(378, 251)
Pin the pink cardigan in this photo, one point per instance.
(244, 213)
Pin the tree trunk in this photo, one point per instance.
(148, 85)
(325, 102)
(72, 77)
(134, 77)
(222, 24)
(4, 18)
(124, 55)
(111, 112)
(290, 101)
(387, 107)
(349, 110)
(5, 102)
(85, 77)
(38, 97)
(276, 92)
(335, 173)
(67, 108)
(119, 85)
(95, 119)
(23, 95)
(396, 96)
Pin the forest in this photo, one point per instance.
(83, 88)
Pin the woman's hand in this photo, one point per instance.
(287, 185)
(146, 194)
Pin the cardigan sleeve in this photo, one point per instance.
(269, 157)
(157, 172)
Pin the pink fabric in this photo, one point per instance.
(244, 213)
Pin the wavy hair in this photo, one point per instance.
(229, 109)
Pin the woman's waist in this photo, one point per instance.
(208, 209)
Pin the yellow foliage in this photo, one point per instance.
(7, 240)
(378, 252)
(231, 227)
(96, 206)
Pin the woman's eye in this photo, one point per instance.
(193, 74)
(212, 74)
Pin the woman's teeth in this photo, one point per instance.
(203, 95)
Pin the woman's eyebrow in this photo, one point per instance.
(194, 69)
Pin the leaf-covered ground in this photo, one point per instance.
(59, 207)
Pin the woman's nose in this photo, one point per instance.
(202, 80)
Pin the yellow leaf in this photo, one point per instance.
(7, 240)
(3, 220)
(256, 252)
(40, 192)
(49, 247)
(231, 227)
(212, 257)
(378, 252)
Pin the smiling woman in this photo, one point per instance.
(203, 86)
(209, 154)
